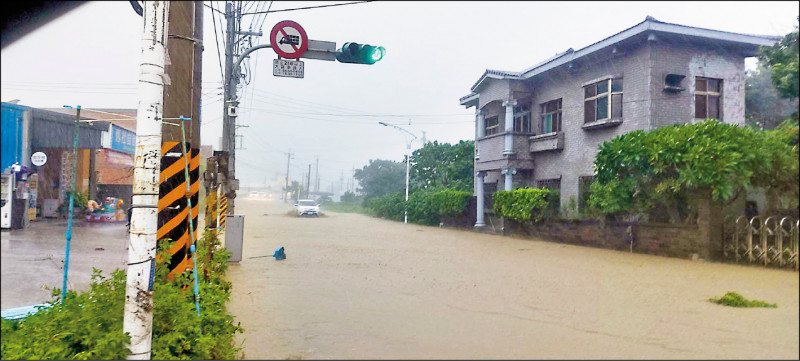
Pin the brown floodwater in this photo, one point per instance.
(356, 287)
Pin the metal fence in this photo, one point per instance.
(773, 242)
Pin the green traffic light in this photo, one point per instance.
(355, 53)
(375, 53)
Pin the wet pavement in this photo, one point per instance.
(33, 258)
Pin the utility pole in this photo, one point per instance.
(286, 189)
(230, 105)
(138, 316)
(316, 174)
(308, 182)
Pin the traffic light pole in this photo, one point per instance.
(321, 50)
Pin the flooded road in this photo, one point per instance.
(355, 287)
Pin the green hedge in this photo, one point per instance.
(522, 204)
(389, 206)
(88, 325)
(429, 207)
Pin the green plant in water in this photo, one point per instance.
(734, 299)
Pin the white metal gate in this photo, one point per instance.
(771, 242)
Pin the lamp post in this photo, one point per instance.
(408, 150)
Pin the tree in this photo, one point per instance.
(442, 165)
(380, 177)
(639, 171)
(764, 107)
(294, 188)
(349, 197)
(783, 59)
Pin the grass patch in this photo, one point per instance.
(734, 299)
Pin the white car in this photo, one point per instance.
(307, 207)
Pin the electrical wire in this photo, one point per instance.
(216, 39)
(314, 7)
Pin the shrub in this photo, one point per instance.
(88, 325)
(522, 204)
(431, 207)
(425, 206)
(389, 206)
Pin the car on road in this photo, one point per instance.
(307, 207)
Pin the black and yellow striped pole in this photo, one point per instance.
(174, 200)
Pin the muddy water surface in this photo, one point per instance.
(355, 287)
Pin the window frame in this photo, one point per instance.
(609, 94)
(708, 94)
(555, 126)
(491, 129)
(522, 112)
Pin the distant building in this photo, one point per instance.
(114, 166)
(541, 127)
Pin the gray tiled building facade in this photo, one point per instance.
(541, 127)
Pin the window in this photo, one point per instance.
(522, 119)
(602, 101)
(492, 125)
(707, 98)
(551, 117)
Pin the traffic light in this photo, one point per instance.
(360, 54)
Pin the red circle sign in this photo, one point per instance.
(288, 39)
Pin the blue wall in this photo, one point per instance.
(11, 134)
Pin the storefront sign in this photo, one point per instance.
(123, 140)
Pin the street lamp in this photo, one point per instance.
(408, 150)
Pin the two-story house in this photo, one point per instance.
(541, 127)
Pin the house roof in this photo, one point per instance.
(125, 118)
(650, 24)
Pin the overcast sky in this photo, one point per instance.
(435, 52)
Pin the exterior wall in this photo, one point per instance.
(494, 90)
(663, 239)
(694, 60)
(12, 135)
(581, 145)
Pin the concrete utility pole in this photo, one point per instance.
(316, 175)
(230, 105)
(138, 318)
(286, 189)
(308, 182)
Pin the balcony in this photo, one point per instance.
(547, 142)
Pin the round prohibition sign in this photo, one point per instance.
(288, 39)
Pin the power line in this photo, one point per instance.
(309, 7)
(216, 39)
